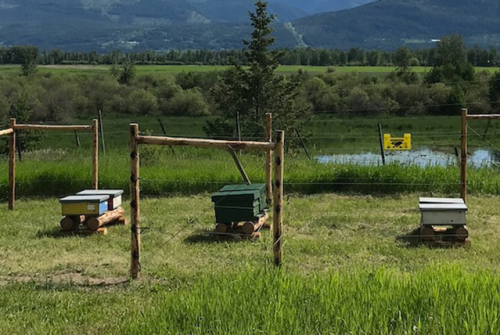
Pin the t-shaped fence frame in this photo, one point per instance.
(278, 188)
(14, 127)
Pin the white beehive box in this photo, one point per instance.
(443, 213)
(115, 197)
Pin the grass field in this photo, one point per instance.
(59, 168)
(351, 265)
(173, 69)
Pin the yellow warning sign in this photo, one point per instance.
(397, 143)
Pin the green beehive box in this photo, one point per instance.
(236, 203)
(253, 187)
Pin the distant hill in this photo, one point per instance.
(221, 24)
(144, 24)
(388, 24)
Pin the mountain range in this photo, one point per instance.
(221, 24)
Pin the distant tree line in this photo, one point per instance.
(306, 56)
(452, 83)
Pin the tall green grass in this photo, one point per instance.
(194, 171)
(436, 300)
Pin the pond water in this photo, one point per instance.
(422, 157)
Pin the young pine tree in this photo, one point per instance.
(254, 89)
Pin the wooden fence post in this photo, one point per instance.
(77, 139)
(269, 161)
(101, 130)
(12, 165)
(381, 142)
(135, 203)
(95, 154)
(278, 198)
(463, 160)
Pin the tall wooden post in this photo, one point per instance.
(269, 160)
(134, 203)
(278, 198)
(12, 165)
(463, 160)
(95, 154)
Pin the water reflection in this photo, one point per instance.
(421, 157)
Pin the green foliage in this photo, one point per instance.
(27, 57)
(494, 90)
(189, 103)
(142, 102)
(124, 73)
(451, 64)
(254, 91)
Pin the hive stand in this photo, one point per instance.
(90, 214)
(443, 222)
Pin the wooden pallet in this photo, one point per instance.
(82, 229)
(444, 237)
(234, 236)
(246, 227)
(85, 231)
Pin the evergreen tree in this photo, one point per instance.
(451, 63)
(254, 90)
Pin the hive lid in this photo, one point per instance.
(443, 207)
(84, 198)
(441, 200)
(232, 195)
(114, 193)
(243, 187)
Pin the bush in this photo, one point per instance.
(142, 102)
(189, 103)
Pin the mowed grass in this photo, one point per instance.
(174, 69)
(351, 265)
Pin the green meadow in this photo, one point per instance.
(352, 264)
(174, 69)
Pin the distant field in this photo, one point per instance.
(173, 69)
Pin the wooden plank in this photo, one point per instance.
(83, 231)
(278, 198)
(202, 143)
(239, 166)
(463, 160)
(483, 116)
(135, 202)
(51, 127)
(269, 160)
(12, 166)
(6, 131)
(235, 236)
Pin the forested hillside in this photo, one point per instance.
(388, 24)
(221, 24)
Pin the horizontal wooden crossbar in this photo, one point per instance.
(49, 127)
(6, 131)
(215, 144)
(484, 117)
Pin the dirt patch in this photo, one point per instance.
(72, 278)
